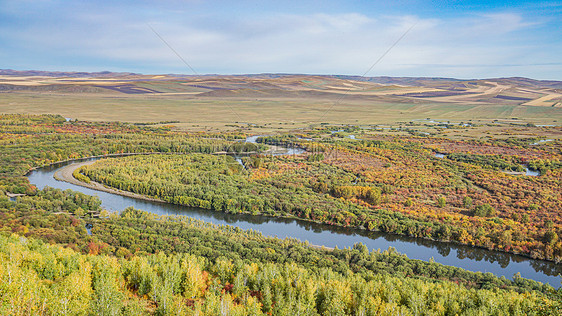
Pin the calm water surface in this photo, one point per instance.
(469, 258)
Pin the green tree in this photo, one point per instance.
(441, 201)
(467, 202)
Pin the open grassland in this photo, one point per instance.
(277, 112)
(275, 101)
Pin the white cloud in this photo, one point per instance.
(309, 43)
(494, 24)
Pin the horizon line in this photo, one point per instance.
(108, 72)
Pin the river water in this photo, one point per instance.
(469, 258)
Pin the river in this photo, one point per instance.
(466, 257)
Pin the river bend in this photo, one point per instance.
(466, 257)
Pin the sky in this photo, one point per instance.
(456, 39)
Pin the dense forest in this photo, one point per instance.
(136, 262)
(384, 186)
(41, 279)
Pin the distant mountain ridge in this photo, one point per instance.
(410, 90)
(71, 74)
(377, 79)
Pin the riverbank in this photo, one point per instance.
(448, 253)
(65, 174)
(95, 157)
(14, 195)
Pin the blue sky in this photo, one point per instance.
(461, 39)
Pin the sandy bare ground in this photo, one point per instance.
(65, 174)
(380, 92)
(179, 93)
(477, 92)
(12, 195)
(544, 101)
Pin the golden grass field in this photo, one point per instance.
(280, 102)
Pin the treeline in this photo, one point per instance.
(365, 185)
(485, 207)
(488, 161)
(184, 235)
(391, 185)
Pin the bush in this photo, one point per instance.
(484, 211)
(467, 202)
(550, 237)
(441, 202)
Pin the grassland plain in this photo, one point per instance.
(275, 102)
(219, 112)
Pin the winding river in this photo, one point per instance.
(466, 257)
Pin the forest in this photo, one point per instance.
(29, 141)
(395, 186)
(137, 262)
(134, 262)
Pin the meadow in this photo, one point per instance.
(280, 102)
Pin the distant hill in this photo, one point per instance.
(509, 91)
(25, 73)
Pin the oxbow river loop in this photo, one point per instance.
(466, 257)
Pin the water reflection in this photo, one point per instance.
(542, 140)
(532, 172)
(89, 228)
(466, 257)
